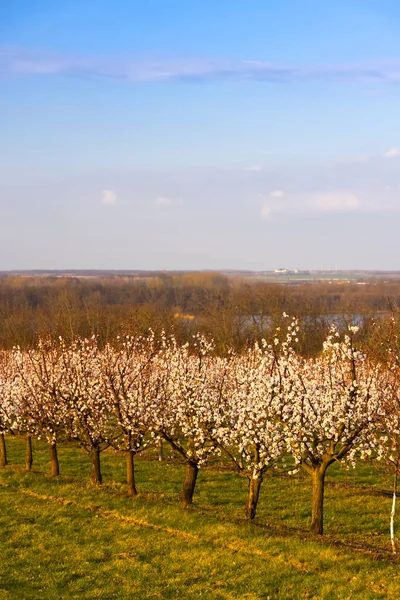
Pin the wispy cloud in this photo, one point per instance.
(163, 201)
(393, 153)
(21, 62)
(254, 168)
(277, 194)
(265, 211)
(313, 203)
(44, 108)
(335, 201)
(109, 197)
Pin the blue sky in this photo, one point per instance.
(187, 135)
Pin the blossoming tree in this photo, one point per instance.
(253, 432)
(188, 383)
(127, 368)
(88, 411)
(335, 400)
(39, 379)
(6, 405)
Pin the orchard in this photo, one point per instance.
(264, 409)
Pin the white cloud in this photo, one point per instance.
(308, 203)
(270, 203)
(254, 168)
(265, 211)
(109, 197)
(335, 201)
(25, 61)
(163, 201)
(393, 153)
(277, 194)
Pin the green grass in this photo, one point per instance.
(62, 538)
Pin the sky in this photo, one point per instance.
(174, 134)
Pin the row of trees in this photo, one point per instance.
(231, 309)
(267, 407)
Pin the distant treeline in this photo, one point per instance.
(234, 311)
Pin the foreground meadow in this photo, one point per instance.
(63, 538)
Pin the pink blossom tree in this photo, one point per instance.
(6, 406)
(88, 411)
(386, 434)
(334, 400)
(253, 430)
(127, 374)
(188, 384)
(38, 381)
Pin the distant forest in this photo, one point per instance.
(233, 310)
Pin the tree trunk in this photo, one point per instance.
(95, 474)
(252, 496)
(318, 488)
(189, 483)
(55, 467)
(160, 451)
(130, 473)
(3, 451)
(393, 512)
(28, 453)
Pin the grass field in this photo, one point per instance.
(62, 538)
